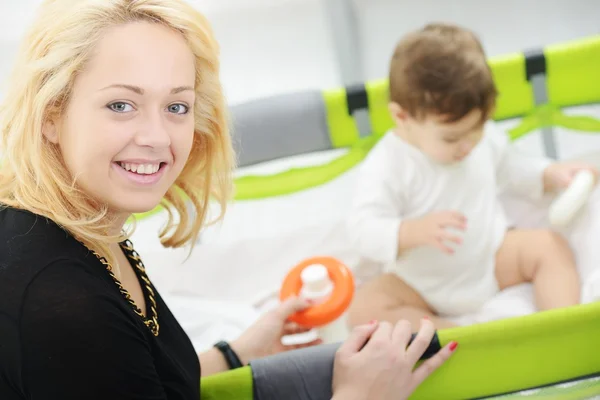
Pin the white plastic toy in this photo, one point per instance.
(317, 286)
(330, 285)
(567, 205)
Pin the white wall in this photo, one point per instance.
(504, 26)
(275, 46)
(268, 46)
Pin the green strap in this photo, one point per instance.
(573, 72)
(548, 115)
(342, 129)
(378, 95)
(515, 95)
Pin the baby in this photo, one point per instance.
(427, 204)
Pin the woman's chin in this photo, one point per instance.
(140, 207)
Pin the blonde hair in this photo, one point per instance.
(33, 175)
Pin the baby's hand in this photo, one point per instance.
(559, 175)
(432, 230)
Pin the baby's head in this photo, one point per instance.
(441, 91)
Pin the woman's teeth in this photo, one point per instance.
(143, 169)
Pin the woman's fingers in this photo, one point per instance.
(290, 306)
(421, 341)
(430, 365)
(292, 328)
(401, 334)
(357, 339)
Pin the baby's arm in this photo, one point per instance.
(376, 225)
(516, 172)
(376, 212)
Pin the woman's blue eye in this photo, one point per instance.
(178, 108)
(120, 107)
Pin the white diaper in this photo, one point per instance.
(450, 288)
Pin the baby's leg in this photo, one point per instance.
(389, 298)
(543, 258)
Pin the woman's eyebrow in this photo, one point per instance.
(140, 91)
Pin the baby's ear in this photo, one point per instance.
(397, 112)
(50, 131)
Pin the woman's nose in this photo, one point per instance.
(154, 133)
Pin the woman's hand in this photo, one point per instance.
(263, 338)
(382, 368)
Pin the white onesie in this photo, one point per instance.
(397, 181)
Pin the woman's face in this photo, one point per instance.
(129, 125)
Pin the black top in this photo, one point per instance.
(66, 332)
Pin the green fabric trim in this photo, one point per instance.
(297, 179)
(378, 96)
(342, 129)
(573, 72)
(508, 355)
(236, 384)
(515, 95)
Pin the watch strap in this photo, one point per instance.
(232, 359)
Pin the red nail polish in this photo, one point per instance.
(426, 317)
(453, 346)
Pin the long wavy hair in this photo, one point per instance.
(33, 175)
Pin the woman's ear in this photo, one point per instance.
(50, 131)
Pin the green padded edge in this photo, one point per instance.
(343, 131)
(573, 72)
(297, 179)
(378, 96)
(515, 94)
(236, 384)
(517, 353)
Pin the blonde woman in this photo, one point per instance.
(115, 106)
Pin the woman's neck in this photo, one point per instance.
(118, 222)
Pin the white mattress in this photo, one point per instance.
(215, 293)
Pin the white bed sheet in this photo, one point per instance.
(221, 288)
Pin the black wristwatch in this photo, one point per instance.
(231, 357)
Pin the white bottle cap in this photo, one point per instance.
(315, 282)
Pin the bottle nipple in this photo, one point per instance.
(316, 283)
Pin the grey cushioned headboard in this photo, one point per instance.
(279, 126)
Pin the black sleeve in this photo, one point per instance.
(78, 342)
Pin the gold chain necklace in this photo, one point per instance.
(127, 246)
